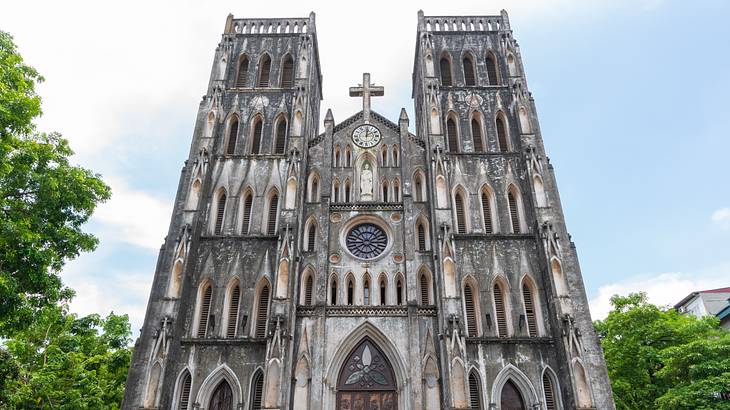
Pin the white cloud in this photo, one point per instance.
(134, 217)
(722, 218)
(663, 289)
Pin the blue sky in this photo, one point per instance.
(631, 97)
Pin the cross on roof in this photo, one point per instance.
(366, 90)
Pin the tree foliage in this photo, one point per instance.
(44, 199)
(63, 361)
(658, 358)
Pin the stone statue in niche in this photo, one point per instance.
(366, 182)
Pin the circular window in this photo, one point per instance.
(366, 241)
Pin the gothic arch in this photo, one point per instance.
(501, 285)
(282, 278)
(391, 352)
(425, 286)
(264, 71)
(306, 286)
(279, 134)
(400, 291)
(472, 313)
(367, 289)
(350, 283)
(435, 121)
(492, 68)
(540, 194)
(257, 376)
(242, 71)
(469, 69)
(194, 195)
(395, 186)
(478, 132)
(313, 186)
(529, 282)
(291, 193)
(246, 210)
(218, 216)
(511, 66)
(310, 235)
(516, 209)
(423, 234)
(524, 120)
(298, 124)
(333, 290)
(520, 380)
(231, 309)
(476, 388)
(503, 135)
(549, 374)
(221, 373)
(441, 192)
(272, 211)
(154, 379)
(362, 159)
(583, 395)
(488, 202)
(453, 139)
(461, 213)
(383, 285)
(561, 284)
(175, 283)
(210, 124)
(336, 156)
(445, 71)
(419, 186)
(395, 155)
(286, 77)
(256, 131)
(233, 127)
(260, 306)
(201, 311)
(177, 396)
(335, 195)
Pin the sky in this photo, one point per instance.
(631, 99)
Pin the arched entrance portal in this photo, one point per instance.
(366, 380)
(511, 398)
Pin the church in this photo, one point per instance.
(363, 266)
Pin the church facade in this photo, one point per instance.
(365, 266)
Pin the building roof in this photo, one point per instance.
(693, 294)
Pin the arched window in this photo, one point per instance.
(220, 212)
(476, 135)
(383, 289)
(257, 131)
(425, 289)
(487, 211)
(337, 156)
(264, 71)
(242, 75)
(183, 400)
(366, 290)
(210, 124)
(287, 72)
(460, 209)
(280, 137)
(348, 191)
(583, 390)
(348, 156)
(350, 291)
(399, 297)
(222, 397)
(524, 121)
(257, 390)
(233, 306)
(204, 299)
(500, 310)
(549, 391)
(511, 65)
(539, 191)
(469, 77)
(418, 187)
(445, 67)
(384, 187)
(333, 290)
(514, 210)
(175, 279)
(435, 122)
(313, 187)
(291, 193)
(561, 286)
(246, 212)
(475, 395)
(194, 195)
(232, 136)
(530, 314)
(502, 137)
(384, 155)
(308, 287)
(396, 190)
(395, 156)
(336, 191)
(492, 69)
(262, 310)
(311, 234)
(273, 212)
(471, 311)
(511, 398)
(421, 235)
(153, 385)
(452, 134)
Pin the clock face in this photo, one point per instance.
(366, 136)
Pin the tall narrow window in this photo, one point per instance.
(348, 157)
(246, 218)
(385, 190)
(471, 315)
(232, 136)
(513, 212)
(287, 73)
(333, 291)
(452, 135)
(460, 213)
(233, 311)
(264, 71)
(475, 399)
(257, 390)
(418, 187)
(311, 236)
(258, 129)
(529, 310)
(502, 135)
(499, 310)
(425, 297)
(395, 155)
(421, 234)
(396, 190)
(348, 192)
(337, 156)
(384, 156)
(204, 311)
(399, 292)
(184, 398)
(382, 291)
(242, 75)
(222, 397)
(366, 292)
(350, 292)
(262, 311)
(336, 191)
(220, 212)
(476, 134)
(547, 386)
(469, 79)
(280, 143)
(308, 285)
(487, 212)
(492, 69)
(445, 67)
(314, 189)
(273, 211)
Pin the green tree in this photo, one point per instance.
(660, 359)
(63, 361)
(44, 199)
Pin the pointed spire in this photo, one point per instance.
(329, 123)
(328, 117)
(403, 115)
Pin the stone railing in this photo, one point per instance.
(270, 26)
(463, 23)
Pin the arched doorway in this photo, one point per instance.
(511, 399)
(366, 380)
(222, 398)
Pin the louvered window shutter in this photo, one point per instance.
(258, 129)
(311, 237)
(247, 202)
(475, 400)
(471, 316)
(262, 314)
(287, 73)
(514, 212)
(445, 67)
(185, 392)
(476, 133)
(491, 70)
(499, 309)
(280, 137)
(308, 291)
(424, 291)
(421, 237)
(220, 212)
(233, 311)
(529, 310)
(452, 136)
(468, 73)
(273, 211)
(460, 215)
(232, 137)
(265, 72)
(502, 135)
(204, 311)
(547, 386)
(486, 213)
(242, 73)
(257, 391)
